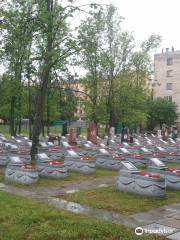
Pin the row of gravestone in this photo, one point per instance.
(103, 158)
(92, 134)
(153, 183)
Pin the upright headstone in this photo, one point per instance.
(138, 130)
(125, 134)
(78, 131)
(112, 132)
(92, 133)
(72, 136)
(64, 129)
(174, 133)
(119, 128)
(159, 133)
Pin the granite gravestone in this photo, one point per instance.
(112, 133)
(72, 136)
(92, 133)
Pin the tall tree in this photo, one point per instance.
(91, 40)
(17, 36)
(46, 10)
(119, 48)
(54, 44)
(105, 52)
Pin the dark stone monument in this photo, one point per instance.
(64, 129)
(78, 131)
(125, 134)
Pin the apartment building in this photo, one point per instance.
(167, 75)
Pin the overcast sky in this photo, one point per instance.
(145, 17)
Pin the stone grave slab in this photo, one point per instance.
(146, 218)
(175, 236)
(173, 222)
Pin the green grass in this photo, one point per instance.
(21, 219)
(73, 177)
(110, 199)
(175, 165)
(4, 129)
(1, 174)
(55, 130)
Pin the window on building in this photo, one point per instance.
(169, 98)
(169, 61)
(169, 86)
(169, 73)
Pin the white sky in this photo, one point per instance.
(144, 17)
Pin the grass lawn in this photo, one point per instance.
(1, 174)
(55, 130)
(110, 199)
(175, 165)
(4, 129)
(22, 219)
(73, 177)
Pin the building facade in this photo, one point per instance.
(80, 93)
(167, 76)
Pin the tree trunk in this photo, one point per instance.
(29, 108)
(12, 116)
(19, 127)
(43, 130)
(106, 128)
(16, 128)
(30, 128)
(48, 129)
(45, 77)
(48, 117)
(110, 108)
(38, 121)
(20, 111)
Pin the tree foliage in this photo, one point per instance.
(161, 111)
(90, 36)
(117, 76)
